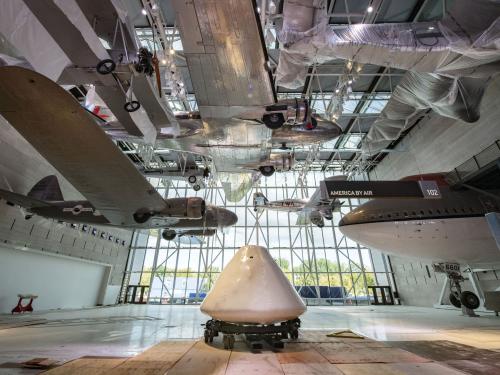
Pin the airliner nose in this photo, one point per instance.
(226, 218)
(354, 217)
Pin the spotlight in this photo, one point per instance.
(164, 61)
(369, 9)
(171, 51)
(144, 11)
(337, 91)
(350, 82)
(430, 28)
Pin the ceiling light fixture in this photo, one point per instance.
(369, 9)
(143, 11)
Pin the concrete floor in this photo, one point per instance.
(129, 329)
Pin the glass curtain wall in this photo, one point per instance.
(323, 265)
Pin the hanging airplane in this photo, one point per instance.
(313, 210)
(66, 135)
(240, 119)
(452, 229)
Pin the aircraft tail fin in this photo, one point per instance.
(47, 189)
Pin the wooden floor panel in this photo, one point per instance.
(202, 359)
(335, 356)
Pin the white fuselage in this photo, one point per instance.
(288, 205)
(453, 228)
(465, 240)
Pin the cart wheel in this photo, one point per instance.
(105, 66)
(470, 300)
(455, 301)
(192, 179)
(132, 106)
(196, 187)
(206, 336)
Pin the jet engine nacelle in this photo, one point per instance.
(185, 208)
(317, 219)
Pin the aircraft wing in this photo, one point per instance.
(225, 53)
(63, 132)
(314, 201)
(22, 200)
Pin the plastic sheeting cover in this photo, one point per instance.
(455, 46)
(449, 61)
(457, 98)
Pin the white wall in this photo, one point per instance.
(59, 282)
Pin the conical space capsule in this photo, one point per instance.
(253, 289)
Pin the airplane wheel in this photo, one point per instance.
(273, 120)
(192, 179)
(267, 170)
(470, 300)
(132, 106)
(206, 336)
(196, 187)
(141, 217)
(168, 235)
(455, 301)
(105, 66)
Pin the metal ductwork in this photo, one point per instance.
(457, 98)
(449, 62)
(464, 43)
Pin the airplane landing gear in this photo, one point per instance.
(105, 66)
(267, 170)
(469, 300)
(168, 235)
(465, 300)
